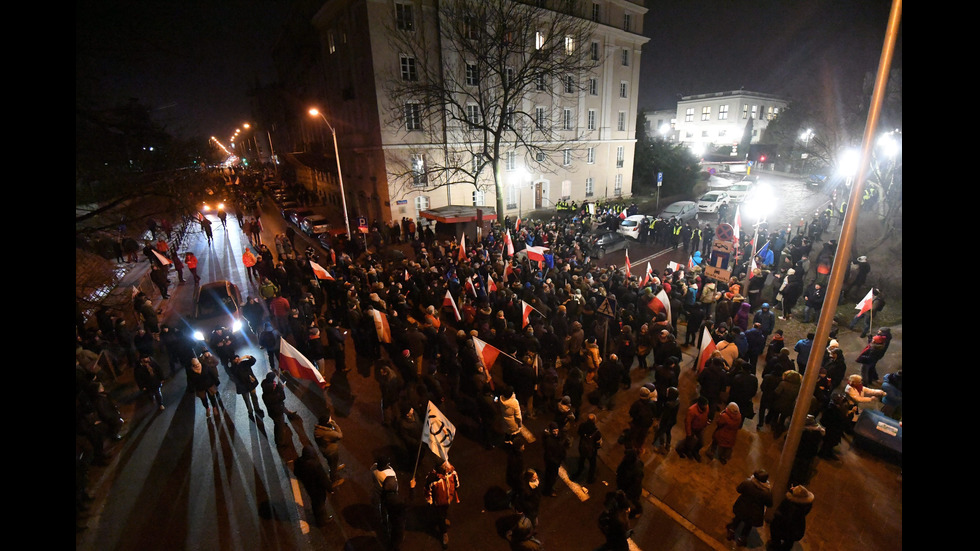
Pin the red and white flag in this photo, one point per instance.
(438, 432)
(508, 271)
(488, 355)
(407, 276)
(491, 286)
(622, 215)
(517, 226)
(661, 303)
(470, 286)
(738, 223)
(707, 347)
(648, 276)
(296, 364)
(690, 263)
(320, 271)
(462, 248)
(674, 266)
(163, 260)
(509, 244)
(381, 326)
(448, 301)
(628, 274)
(525, 313)
(536, 253)
(865, 303)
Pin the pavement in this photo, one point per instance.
(858, 498)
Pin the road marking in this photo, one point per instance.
(651, 257)
(298, 498)
(632, 545)
(527, 435)
(690, 527)
(580, 492)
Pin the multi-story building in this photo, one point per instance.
(661, 124)
(386, 148)
(711, 120)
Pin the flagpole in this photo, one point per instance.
(418, 456)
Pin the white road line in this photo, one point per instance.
(298, 498)
(632, 545)
(651, 257)
(528, 437)
(688, 525)
(580, 492)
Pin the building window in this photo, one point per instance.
(566, 189)
(476, 163)
(773, 113)
(628, 22)
(569, 85)
(689, 115)
(706, 113)
(722, 132)
(626, 57)
(569, 45)
(618, 186)
(567, 119)
(413, 116)
(620, 156)
(510, 160)
(509, 118)
(624, 89)
(755, 111)
(596, 11)
(722, 112)
(472, 74)
(591, 119)
(593, 87)
(566, 157)
(508, 77)
(471, 27)
(589, 187)
(404, 17)
(422, 203)
(478, 197)
(419, 176)
(540, 118)
(538, 40)
(704, 133)
(594, 51)
(513, 195)
(409, 71)
(590, 155)
(621, 121)
(473, 114)
(745, 112)
(330, 42)
(540, 83)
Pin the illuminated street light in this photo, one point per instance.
(805, 136)
(759, 205)
(340, 176)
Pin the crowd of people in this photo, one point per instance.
(426, 323)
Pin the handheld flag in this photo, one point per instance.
(448, 301)
(525, 313)
(509, 243)
(508, 271)
(536, 253)
(462, 248)
(297, 365)
(628, 274)
(381, 326)
(865, 303)
(487, 355)
(407, 275)
(707, 347)
(438, 432)
(661, 303)
(648, 276)
(738, 222)
(766, 255)
(320, 271)
(491, 286)
(163, 260)
(517, 226)
(622, 215)
(690, 263)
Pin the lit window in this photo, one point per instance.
(419, 176)
(413, 116)
(706, 113)
(538, 40)
(722, 112)
(569, 45)
(689, 115)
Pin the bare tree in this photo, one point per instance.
(486, 82)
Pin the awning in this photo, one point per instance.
(458, 213)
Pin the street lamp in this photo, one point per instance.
(848, 165)
(340, 176)
(759, 206)
(805, 136)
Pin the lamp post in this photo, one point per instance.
(805, 136)
(340, 176)
(763, 203)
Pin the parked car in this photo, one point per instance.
(607, 242)
(713, 200)
(315, 224)
(287, 209)
(297, 215)
(217, 304)
(738, 192)
(631, 226)
(684, 211)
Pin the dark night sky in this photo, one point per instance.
(192, 62)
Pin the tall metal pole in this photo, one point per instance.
(340, 175)
(788, 455)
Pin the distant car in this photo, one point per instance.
(315, 224)
(684, 211)
(297, 215)
(218, 304)
(754, 178)
(716, 182)
(287, 209)
(631, 226)
(816, 179)
(713, 200)
(607, 242)
(738, 192)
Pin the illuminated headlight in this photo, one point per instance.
(198, 336)
(221, 206)
(236, 325)
(207, 208)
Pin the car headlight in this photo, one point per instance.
(198, 336)
(236, 325)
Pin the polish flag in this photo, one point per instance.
(491, 286)
(707, 347)
(517, 226)
(509, 244)
(448, 301)
(674, 266)
(628, 274)
(536, 253)
(661, 303)
(381, 326)
(407, 276)
(508, 271)
(320, 271)
(462, 248)
(648, 276)
(297, 365)
(525, 313)
(163, 260)
(865, 303)
(690, 263)
(622, 215)
(487, 354)
(470, 287)
(738, 222)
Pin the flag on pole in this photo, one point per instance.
(865, 303)
(487, 354)
(407, 276)
(470, 287)
(536, 253)
(766, 255)
(661, 303)
(648, 276)
(525, 313)
(509, 243)
(381, 326)
(320, 271)
(163, 260)
(297, 365)
(707, 347)
(448, 301)
(438, 432)
(738, 222)
(690, 263)
(508, 272)
(622, 215)
(674, 266)
(491, 286)
(462, 248)
(517, 226)
(628, 274)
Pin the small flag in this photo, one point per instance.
(163, 260)
(509, 243)
(536, 253)
(508, 271)
(297, 365)
(438, 432)
(707, 347)
(690, 263)
(738, 222)
(462, 248)
(470, 287)
(674, 267)
(525, 313)
(517, 227)
(628, 274)
(648, 276)
(661, 303)
(320, 271)
(865, 303)
(491, 286)
(488, 355)
(622, 215)
(448, 301)
(381, 326)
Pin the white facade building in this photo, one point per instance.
(717, 119)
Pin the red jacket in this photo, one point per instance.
(696, 420)
(441, 488)
(279, 307)
(728, 424)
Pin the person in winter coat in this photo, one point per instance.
(240, 372)
(270, 339)
(789, 523)
(574, 388)
(327, 435)
(861, 396)
(642, 416)
(589, 443)
(784, 400)
(668, 418)
(744, 387)
(742, 316)
(836, 367)
(149, 379)
(791, 293)
(726, 430)
(204, 384)
(555, 449)
(892, 400)
(310, 473)
(766, 320)
(835, 420)
(806, 453)
(694, 424)
(527, 499)
(713, 380)
(608, 377)
(629, 479)
(755, 495)
(592, 359)
(511, 410)
(868, 358)
(441, 490)
(756, 341)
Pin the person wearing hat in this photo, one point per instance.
(556, 446)
(754, 496)
(810, 441)
(441, 490)
(861, 396)
(788, 525)
(327, 435)
(863, 268)
(642, 416)
(727, 425)
(791, 291)
(813, 302)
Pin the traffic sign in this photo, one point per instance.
(660, 179)
(606, 309)
(725, 232)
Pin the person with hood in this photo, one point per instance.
(784, 400)
(668, 418)
(527, 498)
(510, 409)
(744, 387)
(694, 424)
(240, 372)
(589, 443)
(726, 430)
(775, 345)
(754, 496)
(791, 292)
(327, 435)
(742, 316)
(892, 400)
(441, 490)
(869, 356)
(788, 525)
(311, 475)
(756, 344)
(766, 320)
(836, 366)
(642, 416)
(592, 359)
